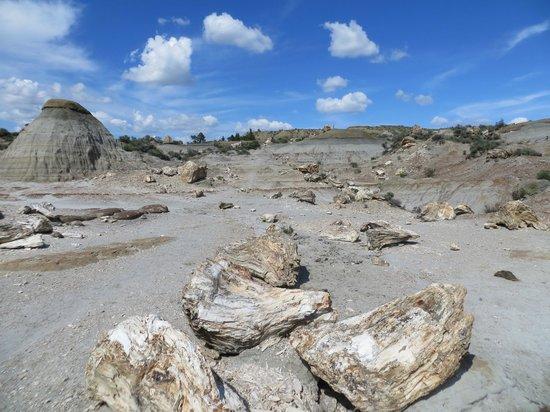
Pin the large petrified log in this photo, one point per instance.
(272, 257)
(9, 232)
(515, 215)
(144, 364)
(381, 234)
(192, 171)
(232, 310)
(434, 211)
(386, 359)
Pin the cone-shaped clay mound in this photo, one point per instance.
(64, 142)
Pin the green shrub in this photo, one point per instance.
(280, 140)
(482, 145)
(249, 145)
(522, 192)
(543, 175)
(526, 151)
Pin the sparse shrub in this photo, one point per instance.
(522, 192)
(429, 172)
(543, 175)
(249, 145)
(526, 151)
(222, 147)
(438, 138)
(388, 196)
(500, 124)
(481, 145)
(280, 140)
(242, 151)
(142, 145)
(402, 173)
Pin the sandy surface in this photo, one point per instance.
(51, 319)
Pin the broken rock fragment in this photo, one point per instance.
(381, 234)
(304, 196)
(31, 242)
(515, 215)
(146, 364)
(9, 232)
(156, 208)
(342, 231)
(128, 214)
(192, 171)
(463, 209)
(309, 168)
(169, 171)
(434, 211)
(388, 358)
(231, 310)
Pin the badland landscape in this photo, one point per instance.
(274, 206)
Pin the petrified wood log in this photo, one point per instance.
(342, 231)
(9, 232)
(144, 364)
(386, 359)
(437, 211)
(232, 310)
(156, 208)
(516, 214)
(272, 257)
(381, 234)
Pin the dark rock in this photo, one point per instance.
(225, 205)
(157, 208)
(506, 274)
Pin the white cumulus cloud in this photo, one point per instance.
(263, 124)
(518, 120)
(398, 54)
(401, 95)
(332, 83)
(350, 40)
(163, 62)
(20, 100)
(210, 120)
(439, 121)
(224, 29)
(37, 32)
(423, 99)
(351, 102)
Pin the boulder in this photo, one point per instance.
(386, 359)
(38, 224)
(515, 215)
(144, 364)
(308, 168)
(434, 211)
(342, 231)
(382, 234)
(272, 257)
(31, 242)
(463, 209)
(169, 171)
(156, 208)
(156, 171)
(9, 232)
(232, 310)
(304, 196)
(408, 141)
(364, 193)
(192, 171)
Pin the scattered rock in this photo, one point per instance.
(506, 274)
(198, 193)
(169, 171)
(276, 195)
(156, 208)
(342, 199)
(226, 205)
(378, 261)
(304, 196)
(25, 210)
(9, 232)
(408, 141)
(156, 171)
(390, 357)
(342, 231)
(381, 234)
(269, 218)
(31, 242)
(490, 225)
(434, 211)
(192, 171)
(146, 364)
(38, 224)
(149, 179)
(270, 257)
(128, 215)
(57, 234)
(309, 168)
(315, 177)
(515, 215)
(73, 235)
(454, 247)
(463, 209)
(278, 228)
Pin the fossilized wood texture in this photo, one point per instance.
(272, 257)
(304, 196)
(381, 234)
(9, 232)
(155, 208)
(31, 242)
(516, 215)
(434, 211)
(232, 310)
(463, 209)
(144, 364)
(342, 231)
(309, 168)
(386, 359)
(192, 172)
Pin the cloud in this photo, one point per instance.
(20, 100)
(180, 21)
(163, 62)
(439, 121)
(401, 95)
(263, 124)
(350, 40)
(210, 120)
(423, 99)
(56, 88)
(525, 33)
(224, 29)
(351, 102)
(35, 32)
(332, 83)
(398, 54)
(518, 120)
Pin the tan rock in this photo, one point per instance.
(192, 171)
(342, 231)
(144, 364)
(198, 193)
(149, 179)
(454, 247)
(386, 359)
(378, 261)
(434, 211)
(381, 234)
(463, 209)
(309, 168)
(306, 196)
(169, 171)
(269, 218)
(515, 215)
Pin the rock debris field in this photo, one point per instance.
(280, 280)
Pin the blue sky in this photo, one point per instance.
(180, 67)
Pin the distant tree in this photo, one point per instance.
(198, 138)
(499, 124)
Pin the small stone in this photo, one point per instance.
(506, 274)
(269, 218)
(454, 247)
(378, 261)
(226, 205)
(149, 179)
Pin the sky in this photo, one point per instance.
(220, 67)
